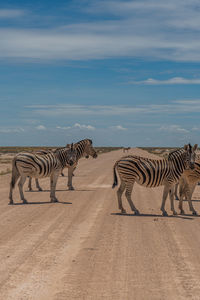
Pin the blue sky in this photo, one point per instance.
(124, 73)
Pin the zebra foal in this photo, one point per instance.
(187, 184)
(152, 173)
(38, 166)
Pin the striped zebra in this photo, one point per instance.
(85, 149)
(187, 184)
(41, 152)
(38, 166)
(152, 173)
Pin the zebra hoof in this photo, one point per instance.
(194, 213)
(11, 202)
(182, 212)
(30, 190)
(40, 189)
(71, 188)
(24, 201)
(123, 211)
(174, 213)
(165, 214)
(137, 213)
(53, 200)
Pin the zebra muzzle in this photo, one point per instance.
(192, 166)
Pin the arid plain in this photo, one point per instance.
(82, 248)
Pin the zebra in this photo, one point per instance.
(83, 148)
(125, 149)
(40, 165)
(187, 184)
(43, 151)
(152, 173)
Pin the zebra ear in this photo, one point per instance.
(195, 147)
(186, 147)
(72, 146)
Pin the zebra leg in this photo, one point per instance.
(53, 181)
(119, 196)
(176, 191)
(15, 176)
(29, 184)
(171, 195)
(37, 184)
(182, 189)
(20, 185)
(165, 193)
(189, 199)
(70, 174)
(129, 188)
(180, 206)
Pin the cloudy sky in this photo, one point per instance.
(124, 73)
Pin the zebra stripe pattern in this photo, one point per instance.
(38, 166)
(152, 173)
(41, 152)
(84, 148)
(187, 184)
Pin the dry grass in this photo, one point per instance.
(7, 171)
(160, 151)
(13, 150)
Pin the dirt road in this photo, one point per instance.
(81, 248)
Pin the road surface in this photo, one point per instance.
(82, 248)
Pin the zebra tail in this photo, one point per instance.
(115, 183)
(15, 173)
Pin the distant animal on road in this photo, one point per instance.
(126, 149)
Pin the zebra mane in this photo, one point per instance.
(85, 141)
(174, 152)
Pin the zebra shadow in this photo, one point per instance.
(186, 217)
(193, 200)
(76, 190)
(41, 202)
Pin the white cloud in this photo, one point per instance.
(63, 128)
(11, 130)
(89, 127)
(195, 128)
(85, 110)
(151, 29)
(65, 110)
(40, 127)
(173, 128)
(175, 80)
(11, 13)
(118, 127)
(76, 125)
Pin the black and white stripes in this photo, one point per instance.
(152, 173)
(40, 165)
(83, 148)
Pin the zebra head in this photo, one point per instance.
(89, 150)
(190, 155)
(71, 154)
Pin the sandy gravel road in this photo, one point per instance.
(81, 248)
